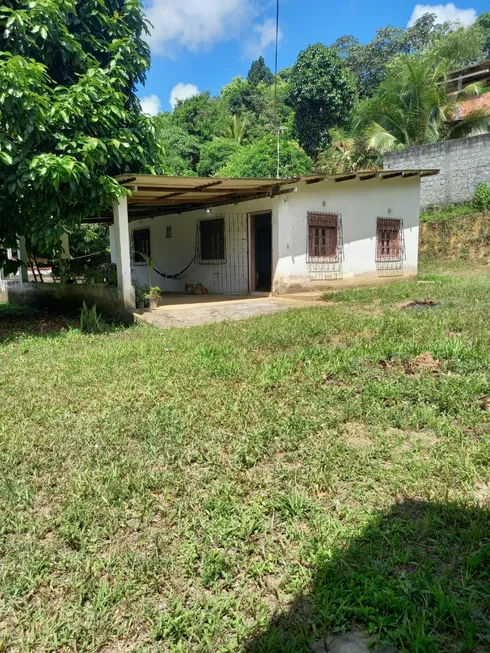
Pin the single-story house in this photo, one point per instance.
(238, 236)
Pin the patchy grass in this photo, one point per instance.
(253, 485)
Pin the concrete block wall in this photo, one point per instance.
(463, 164)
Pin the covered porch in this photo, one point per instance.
(153, 198)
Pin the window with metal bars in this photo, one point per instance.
(323, 235)
(389, 240)
(211, 240)
(141, 245)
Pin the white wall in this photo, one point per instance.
(360, 203)
(174, 254)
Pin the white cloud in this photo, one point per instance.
(150, 105)
(196, 24)
(264, 36)
(445, 13)
(182, 92)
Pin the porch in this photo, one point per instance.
(179, 310)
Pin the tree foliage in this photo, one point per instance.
(259, 72)
(259, 159)
(323, 94)
(201, 116)
(69, 116)
(457, 45)
(413, 106)
(181, 147)
(483, 22)
(215, 154)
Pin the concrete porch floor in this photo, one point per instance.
(179, 310)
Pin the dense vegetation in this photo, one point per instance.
(338, 108)
(69, 116)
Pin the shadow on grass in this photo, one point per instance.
(17, 321)
(417, 578)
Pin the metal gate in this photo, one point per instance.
(231, 273)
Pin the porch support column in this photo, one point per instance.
(22, 255)
(64, 256)
(123, 255)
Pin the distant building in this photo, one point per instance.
(460, 79)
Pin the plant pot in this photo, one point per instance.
(140, 304)
(153, 302)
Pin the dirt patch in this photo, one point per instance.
(420, 304)
(409, 438)
(355, 434)
(482, 492)
(422, 363)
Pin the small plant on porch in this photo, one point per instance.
(153, 295)
(141, 292)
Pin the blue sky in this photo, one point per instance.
(202, 44)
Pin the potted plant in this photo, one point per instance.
(141, 292)
(152, 296)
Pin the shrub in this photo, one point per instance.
(481, 198)
(90, 320)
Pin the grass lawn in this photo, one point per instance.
(252, 486)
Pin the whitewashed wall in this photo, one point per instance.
(173, 254)
(360, 203)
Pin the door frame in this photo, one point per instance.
(251, 240)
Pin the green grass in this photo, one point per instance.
(254, 485)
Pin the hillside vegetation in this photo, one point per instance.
(338, 108)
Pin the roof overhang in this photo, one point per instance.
(158, 195)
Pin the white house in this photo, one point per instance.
(237, 236)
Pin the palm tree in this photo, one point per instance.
(236, 128)
(415, 106)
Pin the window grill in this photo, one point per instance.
(141, 245)
(325, 239)
(211, 241)
(390, 244)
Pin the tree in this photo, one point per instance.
(368, 61)
(458, 47)
(413, 106)
(259, 159)
(259, 72)
(215, 154)
(181, 148)
(347, 153)
(323, 94)
(201, 116)
(69, 116)
(483, 22)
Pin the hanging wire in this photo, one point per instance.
(275, 95)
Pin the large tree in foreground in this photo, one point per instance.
(323, 93)
(413, 106)
(69, 116)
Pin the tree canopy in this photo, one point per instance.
(413, 106)
(323, 93)
(259, 72)
(456, 44)
(259, 159)
(69, 116)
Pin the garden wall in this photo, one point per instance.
(463, 163)
(69, 298)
